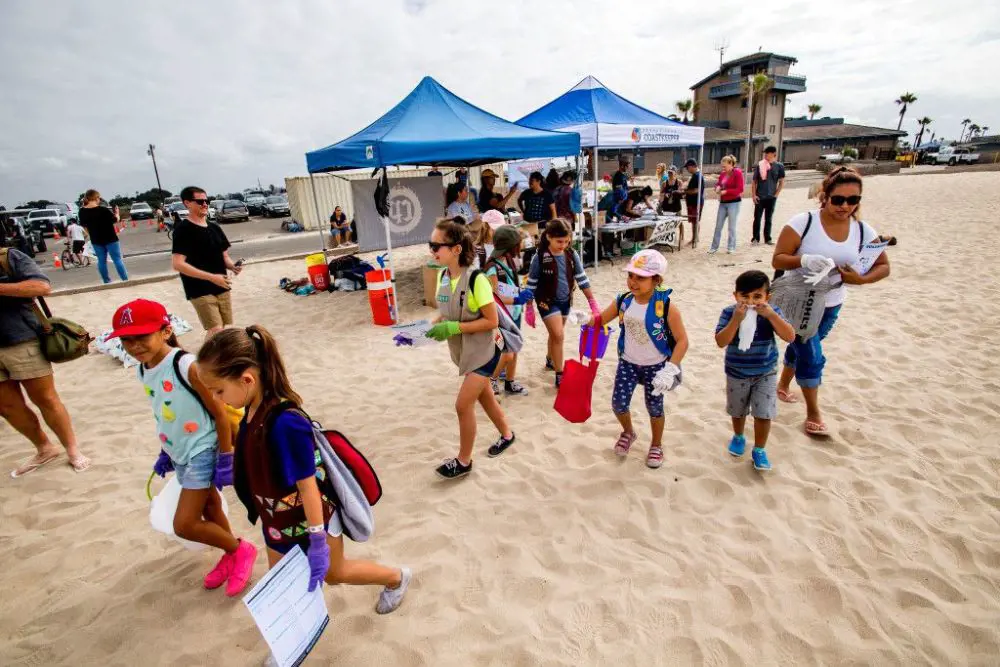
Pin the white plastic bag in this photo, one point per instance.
(748, 327)
(164, 506)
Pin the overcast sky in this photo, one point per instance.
(235, 91)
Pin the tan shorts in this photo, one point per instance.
(23, 361)
(214, 311)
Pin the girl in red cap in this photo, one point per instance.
(195, 438)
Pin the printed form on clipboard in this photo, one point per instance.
(870, 252)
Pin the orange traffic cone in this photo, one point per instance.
(56, 262)
(134, 224)
(55, 234)
(150, 222)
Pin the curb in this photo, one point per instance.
(162, 277)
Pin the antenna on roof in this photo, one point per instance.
(721, 46)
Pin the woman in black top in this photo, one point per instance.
(340, 228)
(671, 193)
(552, 182)
(100, 223)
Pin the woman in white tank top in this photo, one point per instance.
(834, 232)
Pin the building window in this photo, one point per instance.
(774, 100)
(772, 130)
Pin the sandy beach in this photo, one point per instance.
(879, 546)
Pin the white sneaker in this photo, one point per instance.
(730, 252)
(712, 251)
(391, 598)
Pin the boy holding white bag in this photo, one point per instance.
(747, 329)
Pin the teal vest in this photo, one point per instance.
(656, 320)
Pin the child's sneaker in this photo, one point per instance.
(219, 573)
(558, 378)
(760, 461)
(496, 386)
(243, 561)
(453, 469)
(738, 445)
(515, 388)
(548, 364)
(500, 446)
(391, 598)
(654, 459)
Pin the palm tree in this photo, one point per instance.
(814, 109)
(755, 88)
(684, 106)
(923, 123)
(904, 101)
(973, 131)
(965, 124)
(985, 130)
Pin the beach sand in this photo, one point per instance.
(879, 546)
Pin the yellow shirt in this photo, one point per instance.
(482, 291)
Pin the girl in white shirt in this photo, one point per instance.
(835, 231)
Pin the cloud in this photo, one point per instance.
(230, 91)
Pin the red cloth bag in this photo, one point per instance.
(573, 400)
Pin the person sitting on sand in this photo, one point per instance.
(652, 340)
(751, 381)
(835, 231)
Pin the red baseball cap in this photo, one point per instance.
(138, 318)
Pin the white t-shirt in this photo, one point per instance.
(816, 242)
(639, 347)
(75, 232)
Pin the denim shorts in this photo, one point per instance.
(486, 370)
(807, 357)
(198, 472)
(556, 307)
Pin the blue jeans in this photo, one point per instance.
(199, 471)
(806, 357)
(114, 250)
(731, 211)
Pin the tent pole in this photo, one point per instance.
(394, 302)
(319, 218)
(597, 235)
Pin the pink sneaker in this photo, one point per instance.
(220, 572)
(242, 568)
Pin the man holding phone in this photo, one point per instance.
(201, 256)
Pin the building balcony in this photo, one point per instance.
(734, 87)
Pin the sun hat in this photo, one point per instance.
(488, 173)
(505, 239)
(138, 318)
(494, 219)
(647, 263)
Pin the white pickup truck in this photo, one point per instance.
(952, 156)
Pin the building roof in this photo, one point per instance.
(837, 131)
(753, 57)
(715, 135)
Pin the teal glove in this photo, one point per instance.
(443, 331)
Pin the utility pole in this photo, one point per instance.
(151, 152)
(749, 121)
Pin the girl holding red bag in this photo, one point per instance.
(651, 345)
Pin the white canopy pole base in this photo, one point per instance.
(319, 218)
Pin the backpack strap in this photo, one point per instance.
(805, 230)
(861, 235)
(184, 382)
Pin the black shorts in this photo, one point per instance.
(78, 246)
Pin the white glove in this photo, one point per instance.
(666, 379)
(748, 327)
(818, 268)
(579, 318)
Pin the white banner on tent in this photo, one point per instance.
(415, 206)
(519, 170)
(624, 136)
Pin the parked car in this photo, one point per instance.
(177, 212)
(951, 156)
(140, 210)
(47, 221)
(169, 201)
(255, 204)
(233, 211)
(19, 233)
(276, 207)
(68, 211)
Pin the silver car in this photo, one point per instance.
(233, 210)
(276, 207)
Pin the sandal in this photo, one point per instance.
(624, 443)
(816, 428)
(33, 464)
(787, 396)
(79, 463)
(654, 459)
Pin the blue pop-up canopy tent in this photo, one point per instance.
(604, 119)
(432, 125)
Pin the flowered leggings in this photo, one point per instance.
(629, 376)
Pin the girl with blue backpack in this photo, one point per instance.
(652, 343)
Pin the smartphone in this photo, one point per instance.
(239, 262)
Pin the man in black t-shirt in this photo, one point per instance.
(765, 188)
(201, 256)
(620, 179)
(694, 195)
(536, 204)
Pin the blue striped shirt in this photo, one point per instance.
(761, 358)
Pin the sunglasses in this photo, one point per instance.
(840, 200)
(437, 246)
(200, 202)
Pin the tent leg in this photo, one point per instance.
(394, 301)
(701, 165)
(597, 235)
(319, 218)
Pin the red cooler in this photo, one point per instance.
(381, 296)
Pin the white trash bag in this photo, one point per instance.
(163, 507)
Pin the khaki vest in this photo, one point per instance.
(468, 351)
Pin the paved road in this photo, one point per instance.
(148, 252)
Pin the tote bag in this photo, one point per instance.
(573, 400)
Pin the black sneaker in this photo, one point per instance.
(515, 388)
(496, 386)
(453, 469)
(500, 446)
(548, 364)
(558, 378)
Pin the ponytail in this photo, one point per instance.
(231, 352)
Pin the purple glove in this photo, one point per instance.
(163, 464)
(319, 559)
(224, 470)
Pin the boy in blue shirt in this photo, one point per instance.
(751, 380)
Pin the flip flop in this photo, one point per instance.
(787, 396)
(79, 463)
(816, 428)
(32, 464)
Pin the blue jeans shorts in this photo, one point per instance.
(486, 370)
(806, 357)
(198, 472)
(556, 307)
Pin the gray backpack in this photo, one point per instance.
(513, 340)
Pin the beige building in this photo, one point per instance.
(806, 140)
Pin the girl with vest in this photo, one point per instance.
(553, 276)
(468, 321)
(195, 437)
(651, 345)
(276, 464)
(502, 267)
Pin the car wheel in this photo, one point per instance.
(951, 162)
(41, 245)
